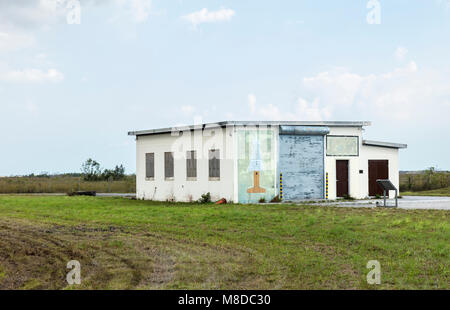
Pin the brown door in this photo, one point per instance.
(378, 169)
(341, 178)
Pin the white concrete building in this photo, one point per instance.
(255, 161)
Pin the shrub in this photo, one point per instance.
(205, 198)
(262, 200)
(116, 174)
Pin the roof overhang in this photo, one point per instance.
(385, 144)
(249, 123)
(304, 130)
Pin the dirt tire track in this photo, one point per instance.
(36, 255)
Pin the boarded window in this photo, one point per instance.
(150, 165)
(214, 163)
(342, 146)
(168, 165)
(191, 164)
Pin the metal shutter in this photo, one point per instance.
(168, 165)
(191, 164)
(301, 161)
(214, 164)
(150, 165)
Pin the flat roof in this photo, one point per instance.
(385, 144)
(250, 123)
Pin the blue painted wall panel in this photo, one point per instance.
(301, 162)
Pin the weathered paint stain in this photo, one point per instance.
(302, 165)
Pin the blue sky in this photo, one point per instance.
(72, 91)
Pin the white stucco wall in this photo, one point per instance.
(353, 163)
(373, 153)
(180, 188)
(359, 182)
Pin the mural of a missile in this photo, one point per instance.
(256, 166)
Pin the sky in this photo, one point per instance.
(77, 75)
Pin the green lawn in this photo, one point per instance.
(134, 244)
(435, 192)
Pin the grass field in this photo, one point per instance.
(64, 184)
(133, 244)
(434, 192)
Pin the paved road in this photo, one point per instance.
(407, 202)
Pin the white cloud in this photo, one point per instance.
(403, 94)
(400, 53)
(301, 111)
(269, 112)
(343, 85)
(14, 40)
(206, 16)
(444, 3)
(407, 95)
(32, 15)
(33, 76)
(141, 9)
(252, 102)
(19, 20)
(137, 11)
(311, 111)
(411, 67)
(22, 20)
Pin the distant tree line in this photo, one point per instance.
(49, 175)
(91, 171)
(426, 180)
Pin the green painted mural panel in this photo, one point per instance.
(256, 165)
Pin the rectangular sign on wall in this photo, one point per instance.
(342, 146)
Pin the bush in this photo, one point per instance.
(262, 200)
(205, 198)
(116, 174)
